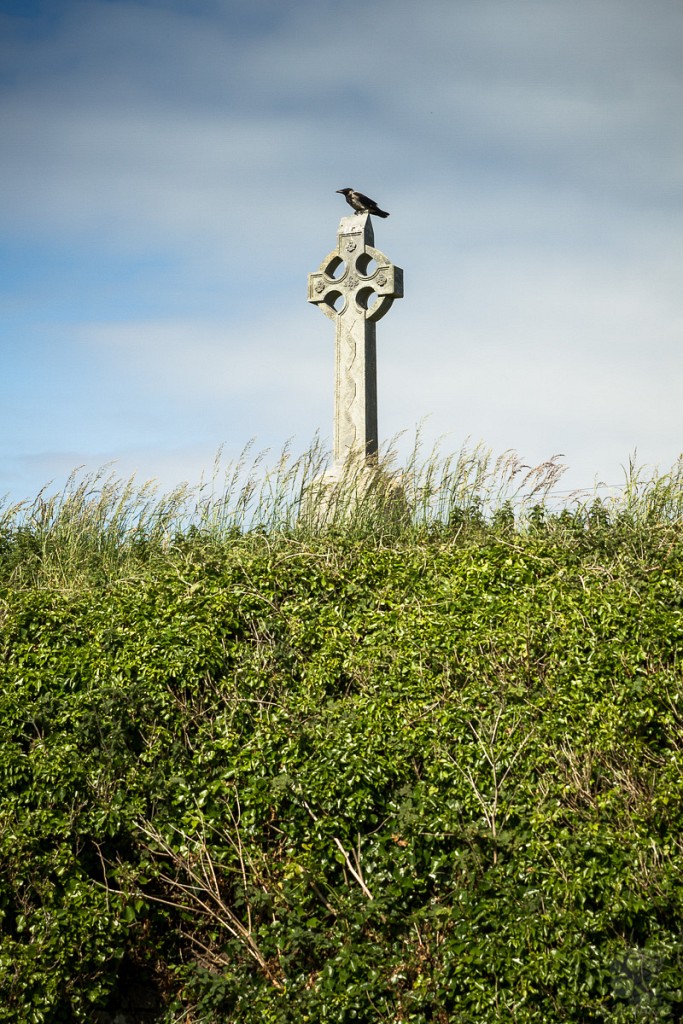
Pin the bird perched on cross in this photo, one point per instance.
(361, 203)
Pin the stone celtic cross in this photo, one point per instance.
(355, 286)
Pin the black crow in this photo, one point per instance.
(361, 203)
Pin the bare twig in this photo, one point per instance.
(201, 891)
(490, 806)
(356, 871)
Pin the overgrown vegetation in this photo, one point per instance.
(413, 758)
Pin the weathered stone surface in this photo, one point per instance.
(355, 286)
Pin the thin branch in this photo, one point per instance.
(357, 871)
(210, 904)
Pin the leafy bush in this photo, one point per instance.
(292, 774)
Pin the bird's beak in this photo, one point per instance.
(340, 190)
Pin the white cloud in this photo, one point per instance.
(530, 154)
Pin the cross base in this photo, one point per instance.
(360, 490)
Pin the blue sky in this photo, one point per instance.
(168, 180)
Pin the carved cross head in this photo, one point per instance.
(355, 280)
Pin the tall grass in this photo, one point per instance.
(99, 526)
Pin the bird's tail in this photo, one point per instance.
(380, 213)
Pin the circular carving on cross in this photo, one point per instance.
(352, 273)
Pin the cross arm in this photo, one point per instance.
(355, 286)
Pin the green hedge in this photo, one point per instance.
(271, 780)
